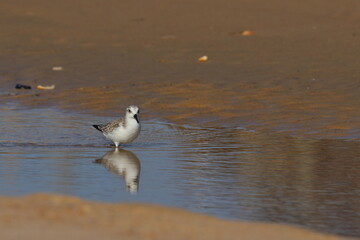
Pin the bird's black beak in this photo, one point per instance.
(136, 118)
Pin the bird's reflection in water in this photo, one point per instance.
(125, 164)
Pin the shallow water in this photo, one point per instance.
(229, 173)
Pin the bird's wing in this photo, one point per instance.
(111, 125)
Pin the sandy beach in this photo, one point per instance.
(58, 217)
(296, 74)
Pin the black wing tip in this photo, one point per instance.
(97, 127)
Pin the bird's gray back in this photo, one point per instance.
(109, 127)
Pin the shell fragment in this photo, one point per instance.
(203, 59)
(41, 87)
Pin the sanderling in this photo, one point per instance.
(123, 130)
(123, 163)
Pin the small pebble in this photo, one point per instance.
(57, 68)
(22, 86)
(247, 33)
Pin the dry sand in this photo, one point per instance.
(57, 217)
(298, 73)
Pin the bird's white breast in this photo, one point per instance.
(125, 134)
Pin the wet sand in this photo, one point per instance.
(298, 74)
(58, 217)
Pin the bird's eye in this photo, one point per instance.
(129, 110)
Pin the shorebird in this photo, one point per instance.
(123, 130)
